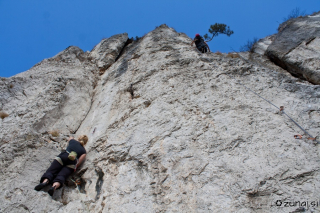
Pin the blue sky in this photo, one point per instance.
(32, 30)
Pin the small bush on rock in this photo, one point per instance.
(248, 47)
(54, 133)
(233, 55)
(3, 115)
(295, 13)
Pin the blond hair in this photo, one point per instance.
(83, 139)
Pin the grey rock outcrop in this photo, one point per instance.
(106, 52)
(296, 47)
(262, 45)
(170, 130)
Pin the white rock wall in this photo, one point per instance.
(171, 130)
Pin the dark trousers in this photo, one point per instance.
(202, 48)
(57, 172)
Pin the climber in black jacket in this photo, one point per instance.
(201, 45)
(64, 164)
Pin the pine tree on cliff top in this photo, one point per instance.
(217, 29)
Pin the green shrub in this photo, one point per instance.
(217, 29)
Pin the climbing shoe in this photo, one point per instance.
(40, 186)
(51, 191)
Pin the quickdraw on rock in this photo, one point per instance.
(77, 182)
(281, 109)
(313, 139)
(298, 136)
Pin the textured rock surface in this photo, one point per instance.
(170, 130)
(262, 45)
(107, 51)
(296, 47)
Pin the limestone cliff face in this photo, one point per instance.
(170, 130)
(296, 47)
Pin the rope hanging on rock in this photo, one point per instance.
(281, 109)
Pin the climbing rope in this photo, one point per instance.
(281, 108)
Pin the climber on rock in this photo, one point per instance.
(201, 45)
(64, 164)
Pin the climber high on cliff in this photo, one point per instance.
(64, 164)
(201, 45)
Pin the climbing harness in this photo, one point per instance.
(281, 110)
(70, 166)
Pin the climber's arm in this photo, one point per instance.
(207, 46)
(81, 160)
